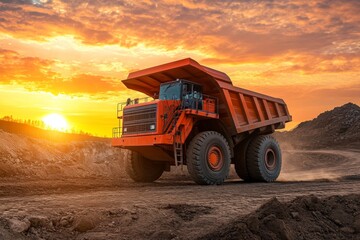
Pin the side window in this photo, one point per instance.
(186, 90)
(197, 92)
(170, 91)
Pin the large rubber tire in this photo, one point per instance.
(141, 169)
(264, 158)
(208, 158)
(240, 153)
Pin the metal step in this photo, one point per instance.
(178, 150)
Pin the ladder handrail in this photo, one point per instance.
(170, 119)
(178, 150)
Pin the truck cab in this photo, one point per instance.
(144, 117)
(188, 93)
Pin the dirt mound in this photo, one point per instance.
(307, 217)
(47, 134)
(22, 156)
(339, 127)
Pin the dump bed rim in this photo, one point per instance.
(145, 82)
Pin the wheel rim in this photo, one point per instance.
(270, 159)
(215, 158)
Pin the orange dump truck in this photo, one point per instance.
(198, 118)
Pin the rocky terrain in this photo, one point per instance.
(22, 156)
(337, 128)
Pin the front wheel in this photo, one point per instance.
(141, 169)
(208, 158)
(264, 159)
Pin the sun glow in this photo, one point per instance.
(55, 121)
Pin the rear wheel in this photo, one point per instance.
(263, 159)
(240, 160)
(208, 158)
(141, 169)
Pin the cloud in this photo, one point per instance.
(14, 68)
(230, 31)
(309, 65)
(297, 37)
(85, 83)
(36, 74)
(32, 21)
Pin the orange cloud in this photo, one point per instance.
(231, 31)
(309, 64)
(36, 74)
(85, 83)
(14, 68)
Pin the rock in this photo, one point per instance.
(66, 221)
(269, 218)
(112, 224)
(63, 222)
(337, 222)
(19, 226)
(294, 215)
(347, 230)
(39, 221)
(86, 222)
(279, 227)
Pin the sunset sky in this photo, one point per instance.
(69, 57)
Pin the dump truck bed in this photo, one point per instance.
(239, 109)
(249, 110)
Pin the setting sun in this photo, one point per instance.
(55, 121)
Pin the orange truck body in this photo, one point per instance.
(198, 118)
(238, 111)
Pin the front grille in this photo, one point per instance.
(140, 119)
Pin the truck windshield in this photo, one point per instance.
(170, 91)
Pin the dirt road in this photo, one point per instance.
(320, 164)
(141, 210)
(171, 208)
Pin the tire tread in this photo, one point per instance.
(253, 155)
(140, 169)
(194, 158)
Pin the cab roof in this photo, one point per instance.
(148, 80)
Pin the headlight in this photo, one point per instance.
(125, 129)
(152, 127)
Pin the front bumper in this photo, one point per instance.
(144, 140)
